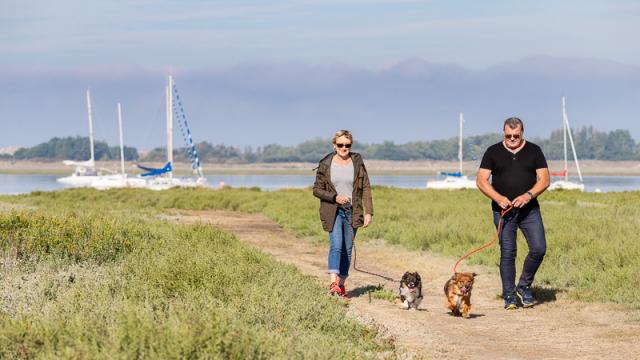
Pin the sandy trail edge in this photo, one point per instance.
(560, 329)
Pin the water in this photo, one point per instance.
(20, 184)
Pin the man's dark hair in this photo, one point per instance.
(513, 122)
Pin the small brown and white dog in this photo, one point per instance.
(458, 293)
(410, 290)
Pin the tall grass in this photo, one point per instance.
(593, 241)
(121, 287)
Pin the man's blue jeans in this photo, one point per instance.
(341, 244)
(530, 222)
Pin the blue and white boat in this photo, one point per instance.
(454, 180)
(162, 178)
(86, 172)
(564, 183)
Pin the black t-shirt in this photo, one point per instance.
(513, 174)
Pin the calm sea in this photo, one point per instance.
(20, 184)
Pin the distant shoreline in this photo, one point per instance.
(375, 167)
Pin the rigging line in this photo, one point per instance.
(184, 135)
(108, 135)
(198, 168)
(190, 139)
(99, 128)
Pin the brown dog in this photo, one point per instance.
(458, 293)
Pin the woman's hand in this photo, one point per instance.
(341, 199)
(367, 220)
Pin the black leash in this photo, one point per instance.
(349, 211)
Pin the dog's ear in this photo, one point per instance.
(418, 276)
(474, 274)
(404, 277)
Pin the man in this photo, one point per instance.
(519, 174)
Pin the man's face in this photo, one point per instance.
(513, 137)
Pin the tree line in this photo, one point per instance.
(74, 148)
(590, 144)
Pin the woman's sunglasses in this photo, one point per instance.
(348, 146)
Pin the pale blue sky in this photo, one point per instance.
(374, 33)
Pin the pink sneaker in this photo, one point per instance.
(343, 292)
(334, 289)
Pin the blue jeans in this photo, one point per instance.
(530, 222)
(341, 244)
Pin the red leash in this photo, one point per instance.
(502, 213)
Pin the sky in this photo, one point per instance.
(351, 43)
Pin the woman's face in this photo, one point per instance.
(342, 146)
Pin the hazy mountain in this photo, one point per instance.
(287, 103)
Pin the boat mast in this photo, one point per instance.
(573, 147)
(121, 141)
(460, 144)
(169, 124)
(90, 128)
(564, 141)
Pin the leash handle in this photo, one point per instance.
(502, 213)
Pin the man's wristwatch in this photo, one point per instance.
(530, 195)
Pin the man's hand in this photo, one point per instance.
(521, 200)
(367, 220)
(341, 199)
(503, 202)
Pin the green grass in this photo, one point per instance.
(378, 292)
(91, 274)
(593, 243)
(96, 284)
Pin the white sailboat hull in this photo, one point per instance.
(565, 185)
(164, 183)
(452, 183)
(78, 181)
(117, 181)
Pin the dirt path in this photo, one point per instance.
(558, 329)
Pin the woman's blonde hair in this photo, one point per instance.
(345, 133)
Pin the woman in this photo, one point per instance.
(342, 185)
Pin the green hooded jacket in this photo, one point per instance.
(324, 190)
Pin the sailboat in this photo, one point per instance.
(565, 184)
(118, 180)
(85, 172)
(455, 180)
(162, 178)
